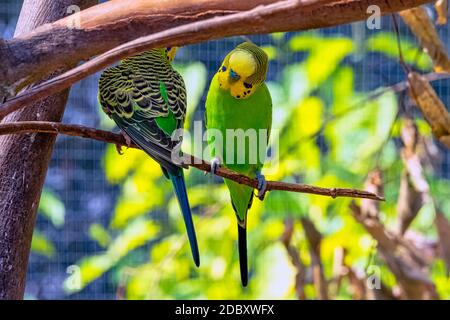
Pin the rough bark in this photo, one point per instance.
(24, 161)
(27, 58)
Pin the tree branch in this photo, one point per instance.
(24, 161)
(26, 59)
(117, 139)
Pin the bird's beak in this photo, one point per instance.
(234, 76)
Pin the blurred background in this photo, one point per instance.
(109, 226)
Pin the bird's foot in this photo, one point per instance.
(262, 186)
(127, 142)
(215, 163)
(119, 149)
(126, 137)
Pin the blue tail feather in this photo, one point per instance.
(242, 245)
(180, 191)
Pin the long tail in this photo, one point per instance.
(180, 191)
(242, 244)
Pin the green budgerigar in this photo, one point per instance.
(238, 107)
(146, 98)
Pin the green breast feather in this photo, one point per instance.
(225, 112)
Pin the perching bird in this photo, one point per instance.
(146, 98)
(239, 99)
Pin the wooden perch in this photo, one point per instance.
(117, 139)
(26, 59)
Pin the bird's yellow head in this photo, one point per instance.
(243, 70)
(170, 53)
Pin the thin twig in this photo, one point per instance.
(399, 46)
(119, 140)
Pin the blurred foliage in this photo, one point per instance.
(329, 135)
(41, 245)
(386, 43)
(52, 208)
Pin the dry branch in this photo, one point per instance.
(314, 238)
(414, 188)
(421, 25)
(432, 107)
(117, 139)
(443, 229)
(28, 58)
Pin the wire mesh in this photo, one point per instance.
(76, 171)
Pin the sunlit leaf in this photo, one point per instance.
(118, 166)
(271, 51)
(386, 43)
(311, 109)
(52, 208)
(331, 50)
(135, 235)
(98, 233)
(278, 36)
(275, 280)
(41, 245)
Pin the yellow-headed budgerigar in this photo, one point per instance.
(238, 103)
(146, 98)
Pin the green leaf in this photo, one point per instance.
(141, 193)
(98, 233)
(278, 36)
(285, 204)
(135, 235)
(52, 208)
(41, 245)
(117, 167)
(271, 51)
(386, 43)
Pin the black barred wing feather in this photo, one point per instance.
(134, 95)
(176, 94)
(150, 138)
(124, 92)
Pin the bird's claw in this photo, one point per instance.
(119, 149)
(126, 137)
(215, 163)
(262, 186)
